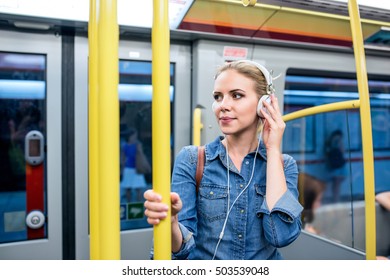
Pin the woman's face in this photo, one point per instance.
(235, 103)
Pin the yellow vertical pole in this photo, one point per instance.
(197, 126)
(365, 119)
(108, 131)
(93, 132)
(161, 119)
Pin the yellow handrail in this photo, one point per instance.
(161, 119)
(351, 104)
(365, 120)
(93, 132)
(197, 126)
(108, 130)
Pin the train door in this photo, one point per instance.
(135, 101)
(30, 146)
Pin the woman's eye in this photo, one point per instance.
(237, 95)
(217, 97)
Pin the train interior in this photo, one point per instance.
(44, 163)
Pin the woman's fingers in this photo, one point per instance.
(150, 195)
(176, 203)
(156, 210)
(274, 101)
(155, 214)
(274, 116)
(153, 221)
(272, 108)
(156, 206)
(274, 125)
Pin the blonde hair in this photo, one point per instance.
(248, 70)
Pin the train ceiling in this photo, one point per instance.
(303, 21)
(317, 22)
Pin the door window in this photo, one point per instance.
(135, 96)
(22, 146)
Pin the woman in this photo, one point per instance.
(336, 162)
(247, 202)
(131, 180)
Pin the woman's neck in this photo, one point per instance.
(240, 146)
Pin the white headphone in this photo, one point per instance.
(270, 89)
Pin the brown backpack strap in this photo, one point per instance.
(199, 167)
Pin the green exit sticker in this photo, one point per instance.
(135, 211)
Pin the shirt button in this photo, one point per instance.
(241, 186)
(247, 162)
(211, 193)
(242, 211)
(240, 236)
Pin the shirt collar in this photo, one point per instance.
(216, 148)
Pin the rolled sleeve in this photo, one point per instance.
(283, 224)
(287, 205)
(187, 244)
(186, 247)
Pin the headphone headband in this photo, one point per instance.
(267, 75)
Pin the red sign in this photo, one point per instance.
(234, 53)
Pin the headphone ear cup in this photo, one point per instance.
(214, 106)
(260, 105)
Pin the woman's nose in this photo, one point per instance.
(225, 104)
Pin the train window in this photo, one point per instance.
(135, 96)
(294, 131)
(381, 128)
(22, 109)
(328, 147)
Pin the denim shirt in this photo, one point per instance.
(252, 231)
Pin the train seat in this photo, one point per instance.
(339, 223)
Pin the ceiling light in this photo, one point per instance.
(32, 25)
(381, 4)
(130, 13)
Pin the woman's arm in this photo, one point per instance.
(282, 224)
(272, 135)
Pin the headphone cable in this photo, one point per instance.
(230, 208)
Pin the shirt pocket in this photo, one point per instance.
(213, 202)
(259, 197)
